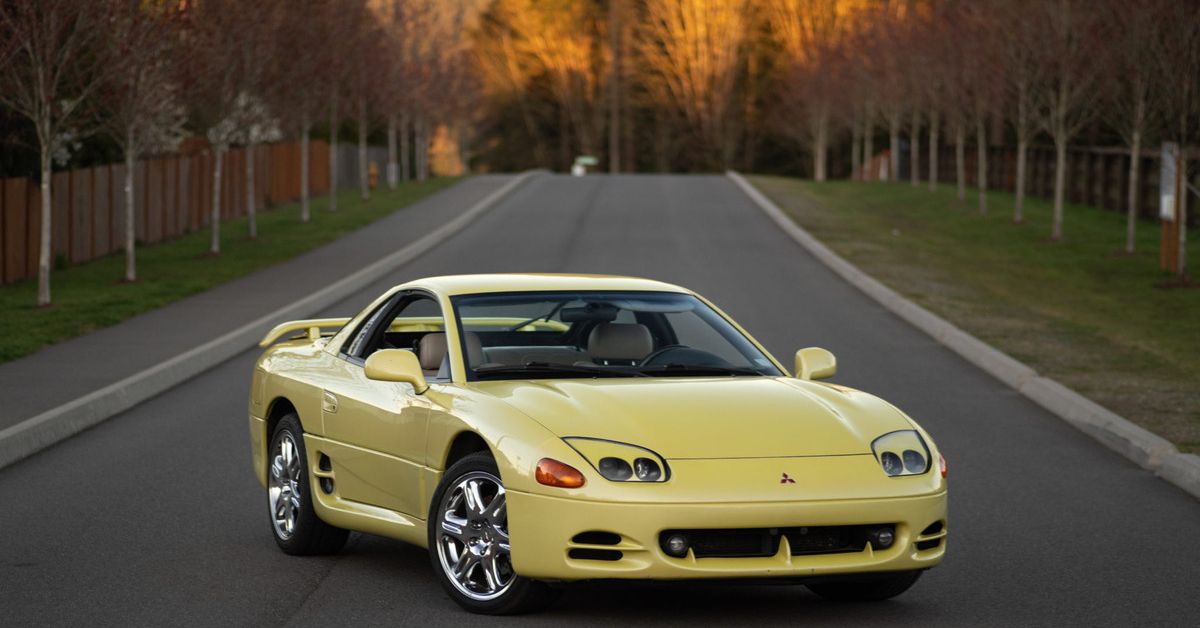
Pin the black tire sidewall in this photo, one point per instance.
(311, 535)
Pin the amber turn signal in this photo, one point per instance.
(554, 473)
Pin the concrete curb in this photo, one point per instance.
(32, 435)
(1146, 449)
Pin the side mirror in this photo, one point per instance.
(815, 363)
(396, 365)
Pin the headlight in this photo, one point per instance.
(621, 462)
(901, 453)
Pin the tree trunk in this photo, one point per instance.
(251, 213)
(333, 154)
(914, 149)
(405, 152)
(856, 148)
(614, 87)
(364, 182)
(894, 147)
(130, 229)
(933, 149)
(43, 297)
(1182, 195)
(1060, 183)
(981, 158)
(960, 161)
(820, 152)
(869, 148)
(305, 214)
(214, 245)
(392, 169)
(1132, 203)
(1022, 159)
(422, 148)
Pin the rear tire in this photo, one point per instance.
(873, 590)
(468, 536)
(294, 523)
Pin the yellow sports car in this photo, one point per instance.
(536, 429)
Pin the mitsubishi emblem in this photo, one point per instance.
(786, 479)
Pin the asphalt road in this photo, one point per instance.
(154, 517)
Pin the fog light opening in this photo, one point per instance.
(882, 538)
(676, 545)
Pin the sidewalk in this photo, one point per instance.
(72, 369)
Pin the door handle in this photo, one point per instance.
(329, 403)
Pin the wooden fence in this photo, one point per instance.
(173, 196)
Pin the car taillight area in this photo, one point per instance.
(764, 542)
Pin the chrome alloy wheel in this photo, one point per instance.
(472, 537)
(284, 486)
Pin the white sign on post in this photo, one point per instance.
(1166, 181)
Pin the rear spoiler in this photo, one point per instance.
(313, 326)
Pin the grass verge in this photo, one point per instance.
(1080, 310)
(91, 296)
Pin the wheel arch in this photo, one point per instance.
(464, 444)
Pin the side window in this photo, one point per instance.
(354, 348)
(414, 324)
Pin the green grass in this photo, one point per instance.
(91, 296)
(1080, 311)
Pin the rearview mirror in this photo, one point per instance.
(815, 363)
(396, 365)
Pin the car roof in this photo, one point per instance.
(451, 285)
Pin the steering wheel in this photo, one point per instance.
(682, 354)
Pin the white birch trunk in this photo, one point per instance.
(130, 213)
(43, 297)
(914, 149)
(393, 174)
(960, 161)
(1022, 167)
(1060, 183)
(1182, 195)
(934, 145)
(364, 181)
(251, 213)
(422, 153)
(305, 214)
(981, 158)
(214, 245)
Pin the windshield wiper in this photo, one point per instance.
(697, 369)
(551, 368)
(539, 317)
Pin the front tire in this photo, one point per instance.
(296, 527)
(469, 545)
(873, 590)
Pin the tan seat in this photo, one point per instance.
(432, 351)
(619, 342)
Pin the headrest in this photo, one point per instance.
(432, 350)
(620, 341)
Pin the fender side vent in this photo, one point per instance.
(324, 464)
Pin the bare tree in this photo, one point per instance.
(52, 70)
(1178, 54)
(1066, 100)
(693, 50)
(142, 104)
(1018, 50)
(1132, 106)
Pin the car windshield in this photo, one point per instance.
(601, 334)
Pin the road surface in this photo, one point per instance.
(154, 517)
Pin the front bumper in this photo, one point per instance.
(542, 529)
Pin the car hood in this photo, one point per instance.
(719, 417)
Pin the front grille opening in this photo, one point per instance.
(596, 537)
(761, 542)
(584, 553)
